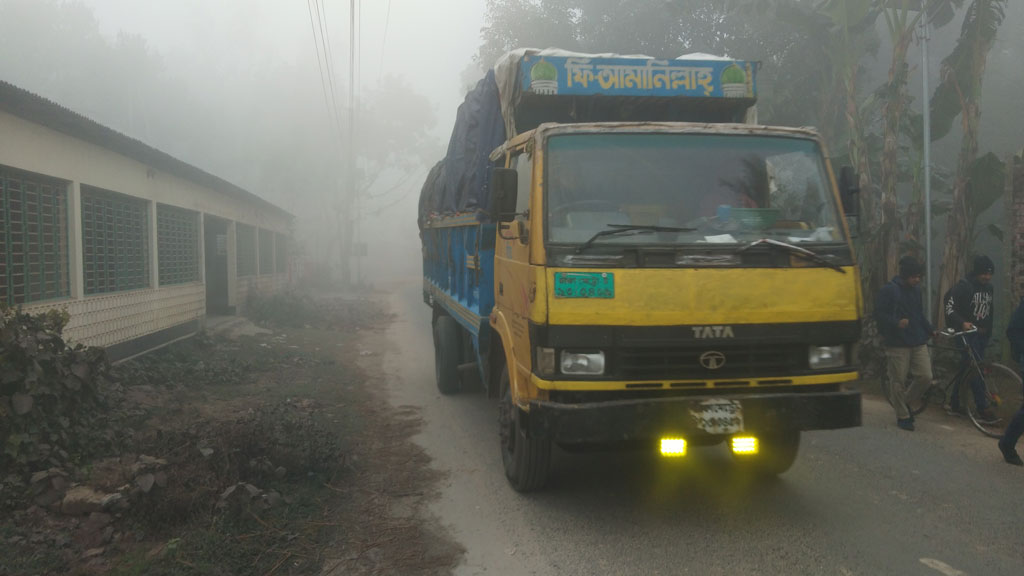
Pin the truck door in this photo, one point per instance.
(514, 295)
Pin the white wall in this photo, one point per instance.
(39, 149)
(113, 318)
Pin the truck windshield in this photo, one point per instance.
(724, 189)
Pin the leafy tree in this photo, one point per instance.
(902, 18)
(787, 36)
(959, 94)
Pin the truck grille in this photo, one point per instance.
(737, 361)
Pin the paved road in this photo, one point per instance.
(867, 501)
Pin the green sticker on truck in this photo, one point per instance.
(584, 285)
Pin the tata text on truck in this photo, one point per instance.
(614, 248)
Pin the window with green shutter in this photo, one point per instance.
(281, 251)
(34, 253)
(266, 252)
(245, 249)
(115, 241)
(177, 241)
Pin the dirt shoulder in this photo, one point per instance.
(275, 453)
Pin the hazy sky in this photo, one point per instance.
(210, 43)
(429, 42)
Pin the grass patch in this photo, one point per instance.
(243, 541)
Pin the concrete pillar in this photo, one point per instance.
(76, 269)
(232, 266)
(202, 250)
(154, 248)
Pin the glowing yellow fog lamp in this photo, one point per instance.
(672, 447)
(744, 445)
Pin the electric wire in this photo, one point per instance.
(316, 46)
(384, 42)
(325, 32)
(321, 17)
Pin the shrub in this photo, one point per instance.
(50, 401)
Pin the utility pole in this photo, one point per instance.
(354, 206)
(930, 308)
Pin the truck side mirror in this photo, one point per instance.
(505, 184)
(849, 190)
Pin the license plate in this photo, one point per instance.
(718, 416)
(584, 285)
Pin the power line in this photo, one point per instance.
(405, 194)
(384, 42)
(321, 17)
(316, 47)
(325, 34)
(359, 46)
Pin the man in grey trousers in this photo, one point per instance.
(905, 332)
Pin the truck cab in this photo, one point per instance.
(675, 280)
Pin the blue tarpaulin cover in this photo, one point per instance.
(461, 182)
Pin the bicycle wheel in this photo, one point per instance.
(989, 427)
(1004, 389)
(934, 394)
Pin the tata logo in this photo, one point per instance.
(712, 360)
(712, 332)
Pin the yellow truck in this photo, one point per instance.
(626, 259)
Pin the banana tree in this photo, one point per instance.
(902, 18)
(852, 24)
(959, 94)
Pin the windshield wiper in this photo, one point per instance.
(795, 250)
(616, 229)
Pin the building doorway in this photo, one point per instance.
(215, 232)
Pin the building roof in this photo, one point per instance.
(35, 108)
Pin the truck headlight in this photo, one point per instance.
(575, 363)
(826, 357)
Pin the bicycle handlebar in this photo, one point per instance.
(950, 333)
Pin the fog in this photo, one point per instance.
(240, 88)
(234, 87)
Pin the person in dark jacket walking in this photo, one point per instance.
(969, 304)
(1015, 335)
(905, 332)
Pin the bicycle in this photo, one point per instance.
(1000, 384)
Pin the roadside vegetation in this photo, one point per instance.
(214, 455)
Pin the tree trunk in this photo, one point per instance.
(954, 254)
(914, 237)
(1015, 187)
(345, 248)
(960, 219)
(858, 149)
(859, 158)
(886, 248)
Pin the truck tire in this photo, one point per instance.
(447, 346)
(526, 460)
(778, 452)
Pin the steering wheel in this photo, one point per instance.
(560, 211)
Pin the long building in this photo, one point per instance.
(138, 246)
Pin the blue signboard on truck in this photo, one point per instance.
(570, 75)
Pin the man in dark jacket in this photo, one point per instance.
(969, 305)
(905, 332)
(1015, 335)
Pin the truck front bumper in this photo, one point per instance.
(645, 419)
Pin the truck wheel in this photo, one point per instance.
(778, 452)
(446, 354)
(526, 460)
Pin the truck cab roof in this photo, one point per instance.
(551, 128)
